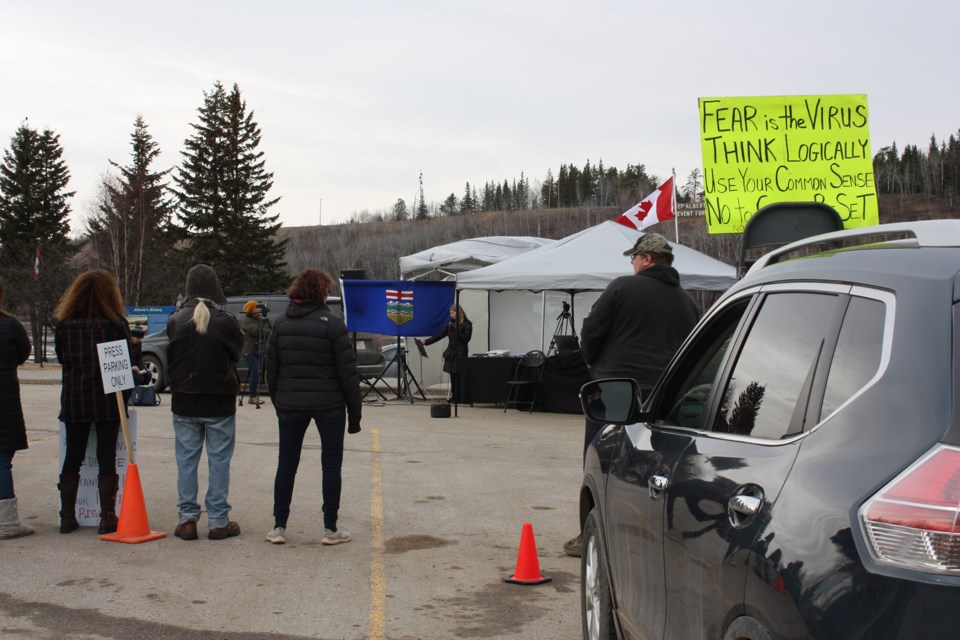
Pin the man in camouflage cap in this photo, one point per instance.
(636, 325)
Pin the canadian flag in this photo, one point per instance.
(656, 207)
(36, 264)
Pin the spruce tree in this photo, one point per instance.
(34, 224)
(222, 188)
(131, 231)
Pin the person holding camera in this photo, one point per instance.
(256, 334)
(459, 331)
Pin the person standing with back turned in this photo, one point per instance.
(312, 376)
(14, 349)
(202, 357)
(636, 325)
(91, 312)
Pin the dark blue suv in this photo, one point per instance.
(795, 473)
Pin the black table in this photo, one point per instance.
(484, 381)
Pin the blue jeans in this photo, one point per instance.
(253, 374)
(220, 437)
(293, 426)
(6, 475)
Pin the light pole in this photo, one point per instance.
(320, 213)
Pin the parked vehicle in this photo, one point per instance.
(368, 345)
(795, 473)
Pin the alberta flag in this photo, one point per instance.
(397, 307)
(656, 207)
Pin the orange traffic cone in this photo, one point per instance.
(528, 567)
(133, 526)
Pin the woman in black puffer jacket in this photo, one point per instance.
(312, 375)
(14, 349)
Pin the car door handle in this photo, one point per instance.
(658, 483)
(745, 505)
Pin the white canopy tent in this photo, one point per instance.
(464, 255)
(526, 292)
(449, 260)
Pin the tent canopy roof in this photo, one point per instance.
(588, 261)
(468, 254)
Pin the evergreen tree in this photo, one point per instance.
(421, 208)
(131, 231)
(34, 224)
(467, 203)
(449, 206)
(222, 188)
(548, 192)
(400, 210)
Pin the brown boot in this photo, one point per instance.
(68, 485)
(108, 486)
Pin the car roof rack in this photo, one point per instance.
(919, 233)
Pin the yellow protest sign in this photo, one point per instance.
(762, 150)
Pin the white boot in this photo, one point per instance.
(10, 526)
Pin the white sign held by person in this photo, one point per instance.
(115, 366)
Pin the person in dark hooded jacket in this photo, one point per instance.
(202, 357)
(636, 325)
(311, 375)
(14, 349)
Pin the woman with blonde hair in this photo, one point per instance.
(91, 312)
(14, 349)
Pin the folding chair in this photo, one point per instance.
(527, 376)
(371, 374)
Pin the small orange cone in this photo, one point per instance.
(133, 526)
(528, 567)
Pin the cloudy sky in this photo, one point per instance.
(355, 99)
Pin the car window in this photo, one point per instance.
(857, 356)
(779, 357)
(687, 391)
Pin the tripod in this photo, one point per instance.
(564, 328)
(404, 375)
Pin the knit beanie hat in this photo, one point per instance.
(202, 283)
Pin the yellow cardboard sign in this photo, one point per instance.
(762, 150)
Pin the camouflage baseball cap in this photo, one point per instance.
(650, 243)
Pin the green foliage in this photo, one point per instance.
(33, 217)
(400, 210)
(222, 189)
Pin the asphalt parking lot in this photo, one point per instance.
(435, 507)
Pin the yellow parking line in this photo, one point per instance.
(45, 438)
(378, 576)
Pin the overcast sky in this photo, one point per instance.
(355, 99)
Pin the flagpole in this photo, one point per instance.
(673, 207)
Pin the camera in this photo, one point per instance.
(264, 310)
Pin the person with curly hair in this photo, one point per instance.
(14, 349)
(90, 312)
(311, 375)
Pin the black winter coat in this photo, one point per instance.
(203, 364)
(14, 349)
(456, 351)
(637, 324)
(82, 398)
(311, 364)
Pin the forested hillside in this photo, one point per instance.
(376, 247)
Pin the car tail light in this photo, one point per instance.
(913, 521)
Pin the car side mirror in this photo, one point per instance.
(615, 400)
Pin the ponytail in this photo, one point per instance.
(201, 316)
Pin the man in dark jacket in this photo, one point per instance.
(201, 361)
(636, 325)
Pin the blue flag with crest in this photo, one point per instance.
(397, 307)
